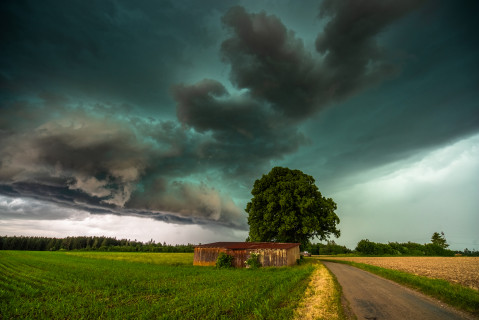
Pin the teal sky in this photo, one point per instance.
(152, 119)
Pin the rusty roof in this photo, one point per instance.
(249, 245)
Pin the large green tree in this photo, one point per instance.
(287, 207)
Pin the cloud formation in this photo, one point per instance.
(106, 166)
(353, 57)
(87, 121)
(108, 51)
(282, 83)
(244, 133)
(272, 63)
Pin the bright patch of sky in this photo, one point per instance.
(436, 193)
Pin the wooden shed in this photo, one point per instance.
(269, 253)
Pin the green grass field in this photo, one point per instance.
(86, 285)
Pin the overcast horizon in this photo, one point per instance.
(152, 119)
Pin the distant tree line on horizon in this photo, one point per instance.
(370, 248)
(87, 243)
(329, 248)
(437, 247)
(367, 247)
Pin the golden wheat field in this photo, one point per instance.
(461, 270)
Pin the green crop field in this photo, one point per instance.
(87, 285)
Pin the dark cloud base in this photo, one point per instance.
(78, 200)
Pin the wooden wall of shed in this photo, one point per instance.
(276, 257)
(239, 257)
(267, 257)
(271, 257)
(206, 256)
(293, 256)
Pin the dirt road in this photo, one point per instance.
(372, 297)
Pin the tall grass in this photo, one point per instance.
(60, 285)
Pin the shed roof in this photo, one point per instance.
(249, 245)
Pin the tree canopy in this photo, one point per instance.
(439, 239)
(288, 207)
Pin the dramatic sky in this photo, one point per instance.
(152, 119)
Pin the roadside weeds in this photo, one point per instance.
(322, 298)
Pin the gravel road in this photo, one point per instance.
(372, 297)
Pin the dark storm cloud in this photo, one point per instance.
(37, 201)
(98, 156)
(54, 192)
(111, 165)
(432, 103)
(285, 84)
(272, 63)
(245, 134)
(84, 86)
(353, 57)
(114, 51)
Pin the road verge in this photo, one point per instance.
(322, 298)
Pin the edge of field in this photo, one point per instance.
(323, 298)
(455, 295)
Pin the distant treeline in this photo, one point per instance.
(369, 248)
(366, 247)
(87, 243)
(330, 248)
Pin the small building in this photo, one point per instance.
(269, 253)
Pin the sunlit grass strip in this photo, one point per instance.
(458, 296)
(160, 258)
(322, 299)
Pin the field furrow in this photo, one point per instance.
(28, 277)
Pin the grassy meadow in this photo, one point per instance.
(86, 285)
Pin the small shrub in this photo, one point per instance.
(253, 261)
(224, 260)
